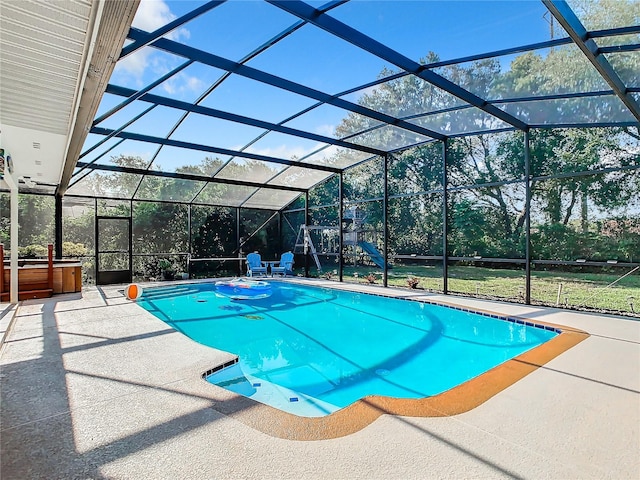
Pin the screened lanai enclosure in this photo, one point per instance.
(482, 148)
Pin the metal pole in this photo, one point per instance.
(238, 241)
(189, 250)
(385, 233)
(14, 243)
(340, 233)
(131, 240)
(445, 229)
(280, 243)
(96, 237)
(13, 229)
(527, 252)
(306, 223)
(58, 226)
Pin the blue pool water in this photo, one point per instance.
(311, 351)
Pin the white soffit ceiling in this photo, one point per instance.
(41, 56)
(45, 54)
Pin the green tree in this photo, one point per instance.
(35, 220)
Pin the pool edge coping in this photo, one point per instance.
(365, 411)
(358, 415)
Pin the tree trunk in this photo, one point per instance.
(569, 211)
(554, 203)
(584, 217)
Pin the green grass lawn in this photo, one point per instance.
(579, 290)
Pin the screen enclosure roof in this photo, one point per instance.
(251, 103)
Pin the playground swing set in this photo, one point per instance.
(358, 241)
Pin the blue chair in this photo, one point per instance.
(255, 265)
(285, 266)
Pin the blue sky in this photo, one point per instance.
(310, 56)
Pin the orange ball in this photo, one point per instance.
(133, 291)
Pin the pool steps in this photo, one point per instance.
(219, 367)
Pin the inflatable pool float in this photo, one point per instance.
(241, 289)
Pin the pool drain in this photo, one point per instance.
(382, 372)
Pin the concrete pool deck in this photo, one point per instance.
(92, 386)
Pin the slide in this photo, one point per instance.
(372, 251)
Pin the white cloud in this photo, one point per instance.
(134, 66)
(326, 130)
(183, 83)
(151, 15)
(194, 83)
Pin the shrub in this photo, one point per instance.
(413, 282)
(165, 265)
(33, 251)
(70, 249)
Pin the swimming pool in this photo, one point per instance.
(311, 351)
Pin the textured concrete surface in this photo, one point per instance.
(7, 312)
(95, 387)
